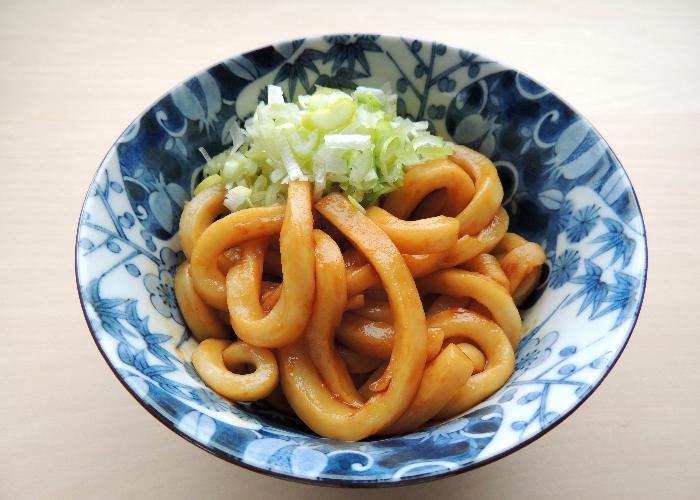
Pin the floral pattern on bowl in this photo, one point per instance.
(564, 189)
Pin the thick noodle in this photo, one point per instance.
(425, 178)
(489, 191)
(216, 359)
(197, 215)
(251, 223)
(436, 234)
(522, 262)
(459, 283)
(326, 317)
(442, 378)
(364, 277)
(286, 321)
(203, 320)
(359, 323)
(491, 340)
(304, 388)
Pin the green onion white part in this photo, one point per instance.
(353, 143)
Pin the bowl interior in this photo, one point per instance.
(564, 188)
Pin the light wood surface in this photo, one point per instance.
(74, 74)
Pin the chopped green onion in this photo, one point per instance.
(348, 142)
(236, 196)
(212, 180)
(356, 203)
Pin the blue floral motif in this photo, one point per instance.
(162, 286)
(622, 296)
(566, 212)
(568, 351)
(334, 40)
(531, 389)
(560, 180)
(615, 239)
(199, 100)
(564, 267)
(594, 289)
(243, 67)
(583, 222)
(296, 72)
(171, 259)
(352, 52)
(535, 352)
(578, 151)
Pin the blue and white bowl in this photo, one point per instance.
(564, 189)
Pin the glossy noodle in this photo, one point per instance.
(360, 322)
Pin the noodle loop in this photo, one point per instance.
(215, 359)
(287, 319)
(329, 314)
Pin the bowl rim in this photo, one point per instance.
(359, 482)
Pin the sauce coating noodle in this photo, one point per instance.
(297, 305)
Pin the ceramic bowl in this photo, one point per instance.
(564, 188)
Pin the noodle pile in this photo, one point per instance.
(369, 323)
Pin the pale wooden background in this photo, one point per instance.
(74, 74)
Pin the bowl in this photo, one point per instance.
(564, 188)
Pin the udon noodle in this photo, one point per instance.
(370, 323)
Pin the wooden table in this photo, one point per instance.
(74, 73)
